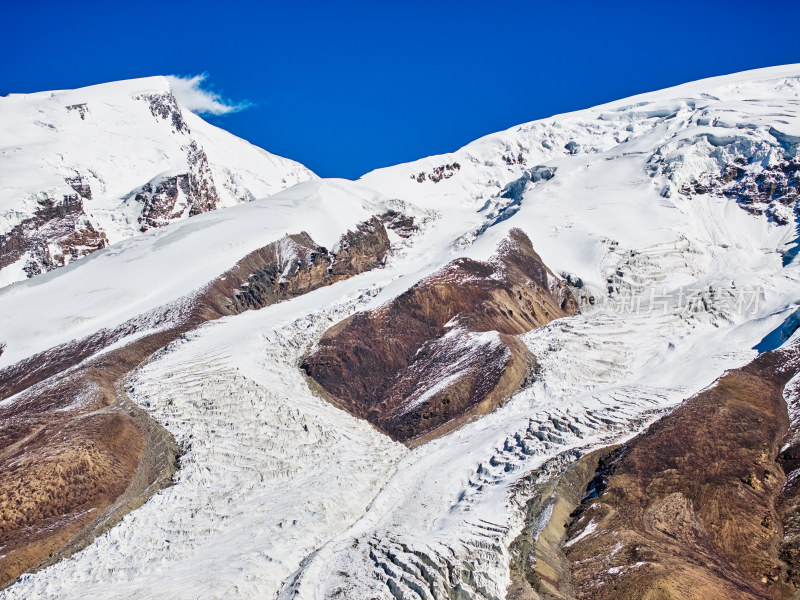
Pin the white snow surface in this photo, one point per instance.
(282, 496)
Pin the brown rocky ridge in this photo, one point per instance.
(76, 454)
(446, 349)
(703, 504)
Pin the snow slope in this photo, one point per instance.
(163, 265)
(280, 495)
(113, 139)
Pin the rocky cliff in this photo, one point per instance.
(445, 349)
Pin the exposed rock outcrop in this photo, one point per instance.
(445, 171)
(82, 109)
(189, 194)
(401, 224)
(772, 190)
(164, 106)
(694, 507)
(445, 349)
(58, 233)
(295, 265)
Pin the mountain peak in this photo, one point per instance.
(95, 165)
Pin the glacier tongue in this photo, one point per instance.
(267, 475)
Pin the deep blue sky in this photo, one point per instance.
(347, 87)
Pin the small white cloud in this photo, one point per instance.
(190, 94)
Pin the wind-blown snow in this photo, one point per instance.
(190, 94)
(696, 282)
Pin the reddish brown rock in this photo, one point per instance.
(444, 350)
(187, 194)
(769, 190)
(292, 266)
(695, 507)
(62, 224)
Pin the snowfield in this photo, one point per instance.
(280, 495)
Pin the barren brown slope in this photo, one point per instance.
(693, 508)
(446, 348)
(76, 454)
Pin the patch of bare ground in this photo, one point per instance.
(444, 351)
(539, 568)
(698, 506)
(76, 454)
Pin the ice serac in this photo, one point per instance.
(82, 169)
(446, 349)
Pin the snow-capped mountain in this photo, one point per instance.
(624, 257)
(82, 169)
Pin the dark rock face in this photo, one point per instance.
(294, 266)
(445, 349)
(159, 201)
(510, 159)
(438, 173)
(401, 224)
(164, 106)
(82, 109)
(697, 506)
(62, 224)
(190, 193)
(202, 190)
(80, 186)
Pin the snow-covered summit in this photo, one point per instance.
(82, 169)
